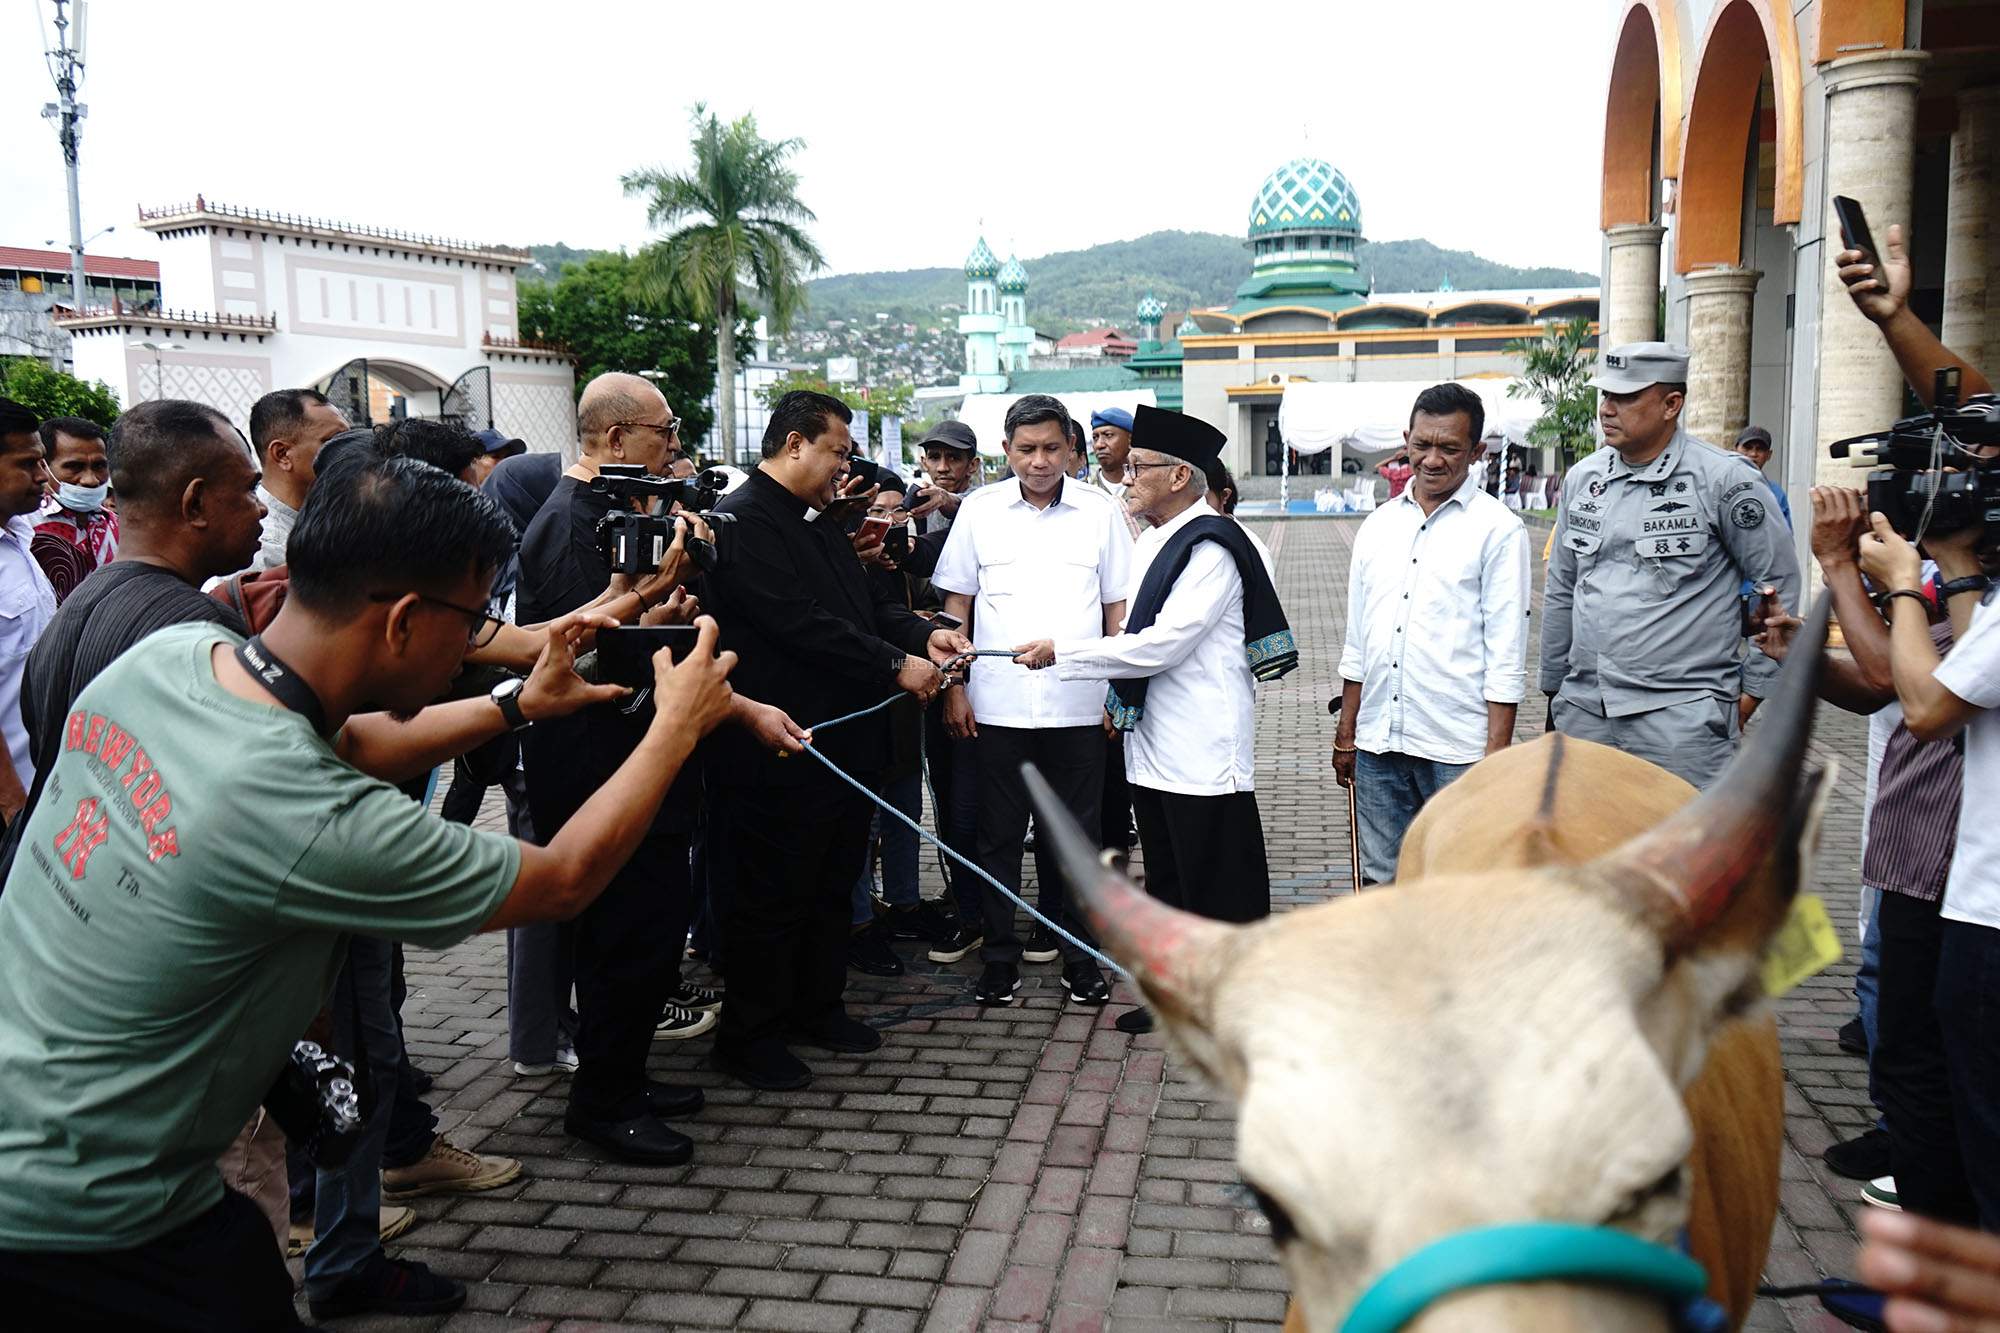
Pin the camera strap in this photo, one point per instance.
(284, 684)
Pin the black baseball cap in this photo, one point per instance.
(950, 435)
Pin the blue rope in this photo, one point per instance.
(938, 843)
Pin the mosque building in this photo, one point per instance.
(1306, 314)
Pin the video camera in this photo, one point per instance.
(1909, 484)
(635, 543)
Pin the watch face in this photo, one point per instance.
(508, 688)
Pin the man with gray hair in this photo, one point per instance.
(1642, 628)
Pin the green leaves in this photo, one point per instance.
(53, 393)
(1556, 368)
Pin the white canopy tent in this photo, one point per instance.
(1367, 418)
(987, 412)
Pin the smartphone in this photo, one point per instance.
(625, 652)
(943, 621)
(897, 544)
(873, 531)
(1854, 226)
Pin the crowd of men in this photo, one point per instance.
(231, 669)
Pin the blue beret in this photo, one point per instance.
(1112, 416)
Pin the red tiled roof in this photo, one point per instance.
(94, 266)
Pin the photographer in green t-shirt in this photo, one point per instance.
(179, 902)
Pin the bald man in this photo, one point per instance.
(628, 943)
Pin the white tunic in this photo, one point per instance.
(1196, 737)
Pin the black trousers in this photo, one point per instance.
(1115, 806)
(1205, 854)
(785, 925)
(1968, 1007)
(219, 1273)
(1072, 759)
(628, 955)
(1909, 1068)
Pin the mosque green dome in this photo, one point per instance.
(1305, 194)
(1188, 327)
(982, 265)
(1013, 278)
(1151, 309)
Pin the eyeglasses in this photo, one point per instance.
(671, 430)
(1137, 467)
(480, 627)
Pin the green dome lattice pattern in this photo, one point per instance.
(1151, 309)
(1306, 194)
(1188, 326)
(982, 264)
(1013, 278)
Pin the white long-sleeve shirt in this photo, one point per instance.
(1437, 623)
(1197, 734)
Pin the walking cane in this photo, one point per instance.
(1353, 822)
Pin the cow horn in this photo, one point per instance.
(1163, 946)
(1688, 868)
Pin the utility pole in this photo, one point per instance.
(66, 66)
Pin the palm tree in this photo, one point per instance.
(1555, 371)
(736, 222)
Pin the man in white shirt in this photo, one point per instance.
(1435, 661)
(1201, 612)
(287, 428)
(27, 600)
(1040, 553)
(1941, 699)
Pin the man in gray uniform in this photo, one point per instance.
(1642, 624)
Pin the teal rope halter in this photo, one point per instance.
(1534, 1252)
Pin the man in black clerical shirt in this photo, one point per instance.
(816, 638)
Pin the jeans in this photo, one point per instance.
(899, 850)
(1868, 984)
(1968, 1010)
(1389, 789)
(347, 1200)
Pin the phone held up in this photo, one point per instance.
(625, 652)
(1854, 226)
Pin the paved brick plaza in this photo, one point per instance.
(1029, 1167)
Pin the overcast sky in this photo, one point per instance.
(1472, 124)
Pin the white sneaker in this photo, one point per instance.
(1881, 1193)
(564, 1063)
(678, 1024)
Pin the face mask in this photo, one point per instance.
(82, 499)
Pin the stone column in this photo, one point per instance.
(1719, 302)
(1972, 232)
(1871, 120)
(1631, 311)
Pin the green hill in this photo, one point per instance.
(1105, 282)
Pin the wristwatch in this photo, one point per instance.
(508, 695)
(1970, 583)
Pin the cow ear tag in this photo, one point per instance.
(1805, 945)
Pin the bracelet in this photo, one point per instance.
(1343, 749)
(1906, 592)
(1970, 583)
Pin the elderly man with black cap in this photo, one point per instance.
(1642, 629)
(1203, 626)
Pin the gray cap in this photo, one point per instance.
(1753, 435)
(1632, 367)
(951, 435)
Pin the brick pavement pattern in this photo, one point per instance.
(1022, 1168)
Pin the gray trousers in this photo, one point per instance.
(540, 966)
(1694, 740)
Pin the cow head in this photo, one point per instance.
(1474, 1049)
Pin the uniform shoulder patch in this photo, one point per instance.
(1747, 512)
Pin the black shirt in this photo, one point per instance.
(813, 636)
(562, 566)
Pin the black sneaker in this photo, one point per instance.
(1863, 1157)
(1041, 947)
(1086, 983)
(868, 951)
(962, 942)
(922, 921)
(998, 984)
(849, 1036)
(766, 1065)
(389, 1286)
(1854, 1038)
(1135, 1021)
(700, 999)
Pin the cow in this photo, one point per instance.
(1513, 1031)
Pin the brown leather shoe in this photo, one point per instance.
(447, 1169)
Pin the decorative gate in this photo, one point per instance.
(469, 400)
(347, 390)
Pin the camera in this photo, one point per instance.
(317, 1105)
(635, 543)
(1909, 483)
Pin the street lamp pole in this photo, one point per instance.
(66, 63)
